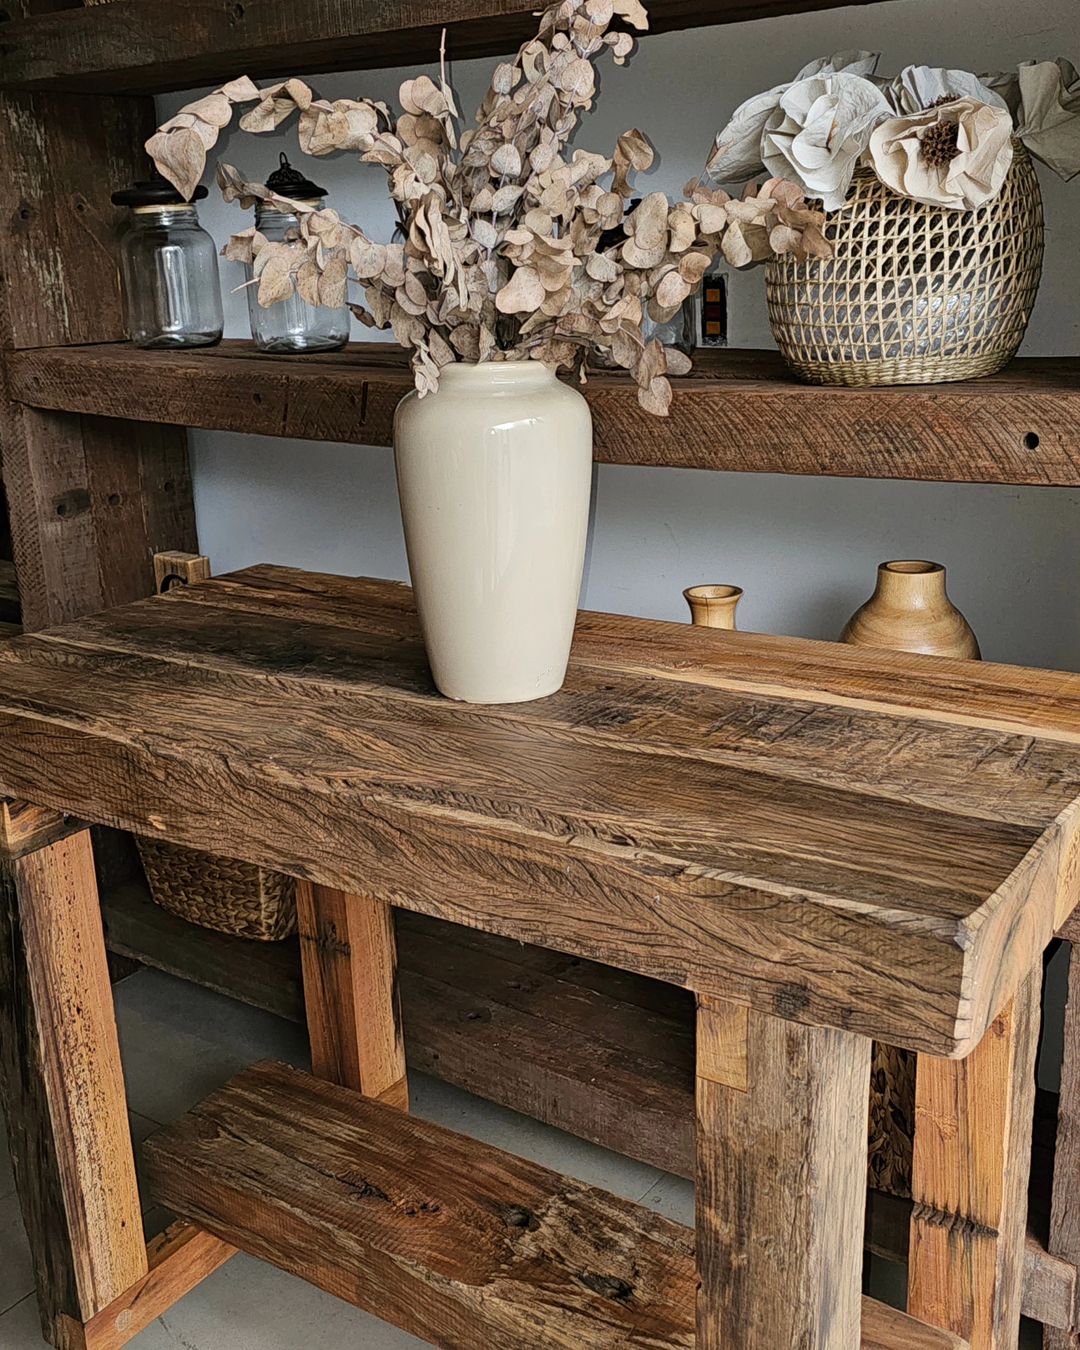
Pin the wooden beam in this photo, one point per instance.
(452, 1240)
(781, 1180)
(178, 1259)
(179, 569)
(446, 1237)
(139, 46)
(349, 958)
(90, 498)
(63, 1088)
(25, 828)
(973, 1125)
(1064, 1240)
(1021, 426)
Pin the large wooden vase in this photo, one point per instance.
(910, 611)
(494, 477)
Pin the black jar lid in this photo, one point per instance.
(289, 182)
(154, 191)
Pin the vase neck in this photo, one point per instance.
(911, 583)
(471, 375)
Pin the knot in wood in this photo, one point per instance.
(517, 1216)
(607, 1286)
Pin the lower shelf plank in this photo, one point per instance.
(448, 1238)
(444, 1236)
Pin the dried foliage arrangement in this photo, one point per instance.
(513, 247)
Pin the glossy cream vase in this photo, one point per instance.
(494, 476)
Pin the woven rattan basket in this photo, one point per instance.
(232, 897)
(914, 294)
(892, 1119)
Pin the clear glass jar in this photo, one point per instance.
(169, 269)
(681, 330)
(292, 325)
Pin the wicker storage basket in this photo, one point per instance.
(914, 294)
(232, 897)
(892, 1119)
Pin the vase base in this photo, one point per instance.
(495, 697)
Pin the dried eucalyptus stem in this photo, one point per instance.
(514, 247)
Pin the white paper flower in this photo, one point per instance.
(955, 156)
(1049, 121)
(849, 62)
(736, 154)
(1005, 84)
(818, 131)
(918, 87)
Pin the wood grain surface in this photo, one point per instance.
(140, 46)
(62, 1087)
(25, 828)
(973, 1125)
(839, 850)
(179, 1258)
(1021, 426)
(449, 1238)
(349, 958)
(602, 1053)
(780, 1182)
(90, 498)
(1065, 1210)
(453, 1240)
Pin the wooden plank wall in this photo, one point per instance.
(91, 499)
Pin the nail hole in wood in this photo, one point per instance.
(1031, 440)
(168, 486)
(256, 399)
(61, 509)
(114, 499)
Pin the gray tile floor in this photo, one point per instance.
(179, 1042)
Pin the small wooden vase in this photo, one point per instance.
(910, 612)
(713, 606)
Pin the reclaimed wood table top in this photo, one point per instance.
(839, 836)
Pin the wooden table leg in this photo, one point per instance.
(781, 1181)
(973, 1124)
(60, 1077)
(1065, 1203)
(349, 958)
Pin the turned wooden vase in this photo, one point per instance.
(910, 611)
(713, 606)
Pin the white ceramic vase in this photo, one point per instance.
(494, 476)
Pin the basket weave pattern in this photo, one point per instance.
(914, 294)
(892, 1119)
(220, 893)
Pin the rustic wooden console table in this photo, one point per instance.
(826, 844)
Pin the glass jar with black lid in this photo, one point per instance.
(292, 325)
(169, 268)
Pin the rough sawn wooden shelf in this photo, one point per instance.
(739, 410)
(143, 46)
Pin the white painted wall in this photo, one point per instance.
(804, 549)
